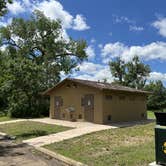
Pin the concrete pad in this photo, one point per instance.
(63, 122)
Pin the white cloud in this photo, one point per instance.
(157, 76)
(79, 23)
(90, 52)
(135, 28)
(126, 20)
(112, 50)
(110, 33)
(93, 71)
(93, 40)
(4, 22)
(100, 46)
(3, 48)
(27, 3)
(155, 50)
(160, 25)
(54, 10)
(122, 19)
(89, 67)
(16, 8)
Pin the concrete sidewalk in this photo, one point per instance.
(45, 140)
(66, 123)
(13, 121)
(80, 128)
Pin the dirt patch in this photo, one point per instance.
(13, 154)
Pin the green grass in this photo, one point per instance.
(131, 146)
(151, 115)
(5, 118)
(30, 129)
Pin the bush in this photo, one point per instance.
(20, 106)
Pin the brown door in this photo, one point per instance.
(89, 107)
(57, 113)
(58, 103)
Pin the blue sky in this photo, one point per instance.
(111, 28)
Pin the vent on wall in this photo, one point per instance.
(109, 117)
(79, 116)
(73, 85)
(63, 115)
(68, 86)
(143, 115)
(108, 97)
(131, 98)
(121, 97)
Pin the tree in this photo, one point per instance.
(41, 40)
(36, 53)
(22, 87)
(133, 74)
(157, 100)
(3, 76)
(3, 6)
(137, 73)
(117, 68)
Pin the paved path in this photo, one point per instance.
(65, 123)
(13, 121)
(81, 128)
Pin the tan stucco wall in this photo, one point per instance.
(72, 98)
(120, 110)
(129, 109)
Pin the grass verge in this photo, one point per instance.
(121, 147)
(151, 115)
(29, 129)
(5, 118)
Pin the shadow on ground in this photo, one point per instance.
(20, 154)
(130, 124)
(7, 148)
(34, 133)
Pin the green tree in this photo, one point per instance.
(22, 87)
(3, 77)
(136, 73)
(133, 74)
(41, 40)
(3, 6)
(117, 68)
(157, 100)
(36, 54)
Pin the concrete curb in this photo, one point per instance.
(59, 157)
(154, 164)
(3, 134)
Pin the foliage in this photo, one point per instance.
(41, 40)
(3, 6)
(36, 54)
(157, 100)
(133, 74)
(117, 68)
(23, 87)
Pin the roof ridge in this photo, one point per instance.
(98, 85)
